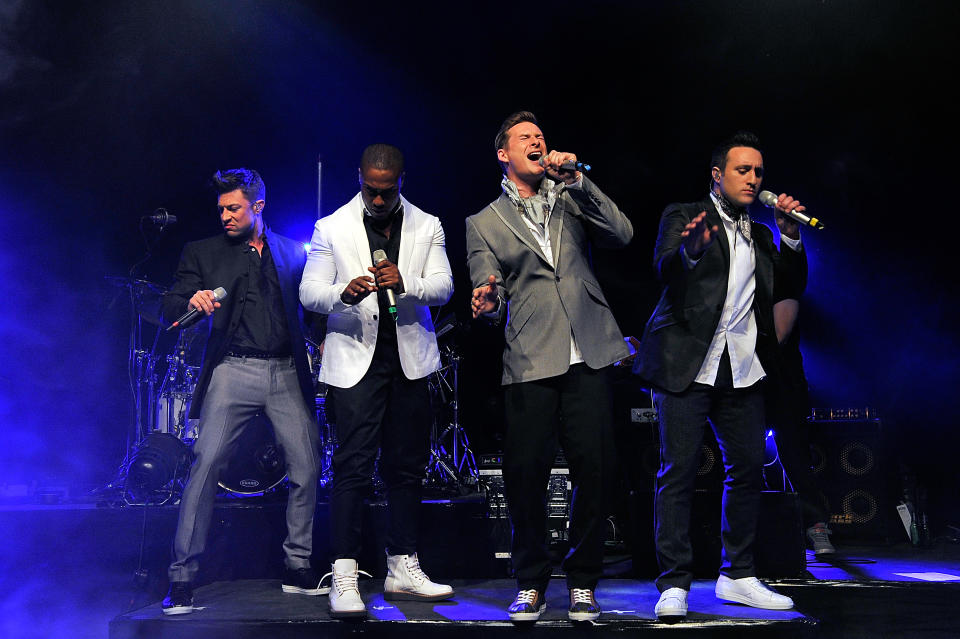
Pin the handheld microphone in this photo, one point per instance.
(161, 217)
(194, 314)
(567, 166)
(770, 200)
(378, 256)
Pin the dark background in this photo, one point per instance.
(112, 109)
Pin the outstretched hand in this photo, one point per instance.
(698, 236)
(484, 299)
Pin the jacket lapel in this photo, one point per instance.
(510, 216)
(408, 237)
(555, 226)
(713, 219)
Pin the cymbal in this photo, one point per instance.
(135, 284)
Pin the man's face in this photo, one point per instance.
(238, 215)
(741, 177)
(525, 146)
(380, 190)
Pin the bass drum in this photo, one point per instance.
(257, 465)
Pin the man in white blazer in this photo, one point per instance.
(380, 348)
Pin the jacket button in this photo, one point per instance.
(556, 277)
(374, 317)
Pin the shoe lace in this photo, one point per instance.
(526, 596)
(414, 569)
(581, 595)
(343, 581)
(819, 534)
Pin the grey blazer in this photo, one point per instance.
(543, 302)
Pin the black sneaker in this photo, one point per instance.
(528, 606)
(302, 581)
(583, 606)
(179, 599)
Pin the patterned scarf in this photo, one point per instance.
(536, 207)
(737, 213)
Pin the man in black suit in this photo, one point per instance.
(255, 361)
(705, 350)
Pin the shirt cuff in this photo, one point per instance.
(496, 311)
(792, 243)
(688, 261)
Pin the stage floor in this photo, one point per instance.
(234, 609)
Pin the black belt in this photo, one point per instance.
(257, 354)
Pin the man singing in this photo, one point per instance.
(380, 348)
(255, 361)
(528, 253)
(705, 350)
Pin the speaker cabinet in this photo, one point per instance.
(854, 469)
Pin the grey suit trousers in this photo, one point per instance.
(239, 389)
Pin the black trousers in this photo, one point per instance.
(576, 410)
(737, 417)
(389, 412)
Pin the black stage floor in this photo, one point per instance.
(87, 572)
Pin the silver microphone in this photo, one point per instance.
(378, 256)
(770, 200)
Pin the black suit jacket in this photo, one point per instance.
(678, 334)
(219, 261)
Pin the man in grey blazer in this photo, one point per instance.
(528, 253)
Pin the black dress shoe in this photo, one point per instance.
(302, 581)
(179, 599)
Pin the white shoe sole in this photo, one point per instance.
(401, 595)
(313, 592)
(348, 614)
(528, 616)
(178, 610)
(582, 616)
(736, 598)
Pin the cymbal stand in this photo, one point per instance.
(450, 453)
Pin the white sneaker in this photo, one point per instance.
(752, 592)
(345, 601)
(406, 581)
(673, 603)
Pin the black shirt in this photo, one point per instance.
(378, 240)
(263, 324)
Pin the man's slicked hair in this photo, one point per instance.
(740, 138)
(512, 120)
(382, 156)
(247, 180)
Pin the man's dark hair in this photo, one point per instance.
(382, 156)
(512, 120)
(247, 180)
(740, 138)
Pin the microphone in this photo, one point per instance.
(378, 256)
(567, 166)
(191, 316)
(770, 200)
(161, 217)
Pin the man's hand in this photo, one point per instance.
(484, 298)
(204, 301)
(387, 275)
(357, 289)
(788, 226)
(698, 236)
(552, 162)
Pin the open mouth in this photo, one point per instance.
(535, 156)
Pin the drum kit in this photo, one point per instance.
(163, 377)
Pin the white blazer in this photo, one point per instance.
(339, 252)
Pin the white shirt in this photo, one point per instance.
(737, 329)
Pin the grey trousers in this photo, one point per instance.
(239, 389)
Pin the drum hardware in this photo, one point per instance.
(451, 459)
(256, 466)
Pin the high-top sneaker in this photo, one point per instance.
(345, 601)
(406, 581)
